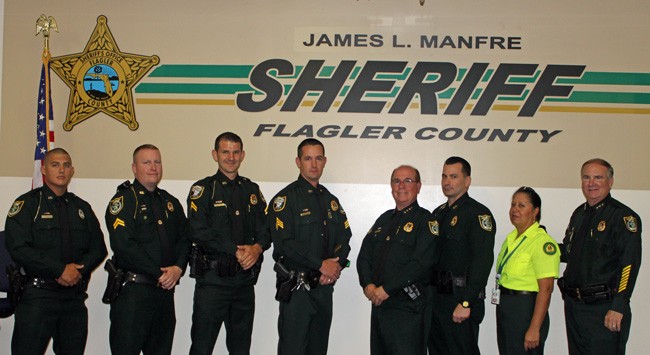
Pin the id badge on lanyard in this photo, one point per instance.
(496, 292)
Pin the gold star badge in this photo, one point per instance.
(101, 78)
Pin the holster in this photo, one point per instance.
(447, 283)
(17, 282)
(285, 282)
(114, 282)
(256, 269)
(562, 286)
(199, 262)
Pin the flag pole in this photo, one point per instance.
(43, 26)
(44, 115)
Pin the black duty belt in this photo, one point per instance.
(139, 278)
(51, 284)
(510, 292)
(591, 294)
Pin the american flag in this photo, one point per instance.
(44, 122)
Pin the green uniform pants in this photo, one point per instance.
(229, 305)
(400, 325)
(449, 338)
(304, 322)
(42, 315)
(142, 319)
(586, 331)
(514, 313)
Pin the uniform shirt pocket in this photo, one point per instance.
(46, 233)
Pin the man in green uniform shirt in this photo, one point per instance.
(150, 240)
(55, 237)
(602, 250)
(466, 229)
(311, 237)
(394, 266)
(227, 218)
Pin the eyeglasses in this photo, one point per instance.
(407, 181)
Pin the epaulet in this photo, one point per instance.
(123, 186)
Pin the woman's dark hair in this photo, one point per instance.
(534, 198)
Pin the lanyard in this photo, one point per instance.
(505, 260)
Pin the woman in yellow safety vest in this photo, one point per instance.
(528, 263)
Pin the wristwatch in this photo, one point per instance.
(465, 304)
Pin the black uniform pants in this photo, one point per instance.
(449, 338)
(586, 331)
(42, 315)
(304, 322)
(142, 319)
(229, 305)
(401, 325)
(514, 314)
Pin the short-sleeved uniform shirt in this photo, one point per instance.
(529, 257)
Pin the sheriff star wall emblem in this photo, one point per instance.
(101, 78)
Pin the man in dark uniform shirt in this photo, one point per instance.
(466, 229)
(150, 240)
(227, 218)
(394, 266)
(602, 249)
(311, 237)
(55, 237)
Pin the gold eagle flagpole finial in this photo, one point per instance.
(43, 25)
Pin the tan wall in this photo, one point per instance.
(601, 37)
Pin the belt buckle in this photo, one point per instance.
(578, 294)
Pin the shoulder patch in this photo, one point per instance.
(630, 223)
(434, 228)
(81, 214)
(15, 208)
(196, 191)
(116, 205)
(253, 199)
(549, 248)
(486, 222)
(279, 203)
(334, 205)
(262, 197)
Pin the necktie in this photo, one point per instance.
(324, 228)
(167, 257)
(236, 213)
(64, 225)
(389, 230)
